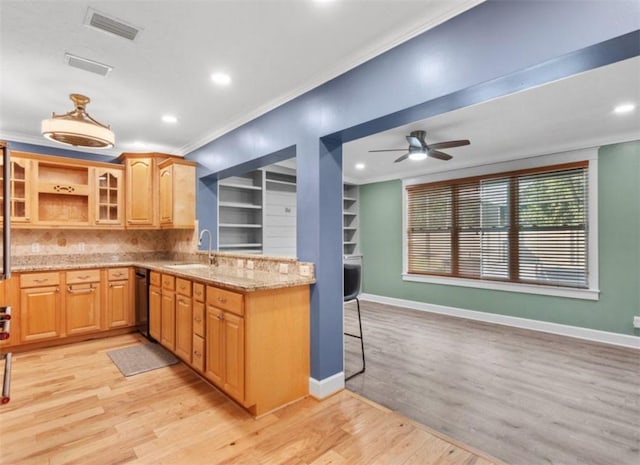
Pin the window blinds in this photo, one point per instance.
(525, 226)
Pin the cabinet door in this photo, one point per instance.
(118, 304)
(184, 334)
(20, 186)
(198, 318)
(140, 192)
(168, 326)
(234, 355)
(166, 195)
(197, 360)
(40, 313)
(82, 308)
(155, 312)
(109, 196)
(214, 358)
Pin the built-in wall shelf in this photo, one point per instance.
(284, 183)
(238, 225)
(239, 205)
(350, 220)
(239, 186)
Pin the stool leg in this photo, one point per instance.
(361, 343)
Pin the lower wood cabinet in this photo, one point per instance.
(82, 302)
(155, 305)
(168, 315)
(119, 301)
(184, 332)
(53, 305)
(40, 313)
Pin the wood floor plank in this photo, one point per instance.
(70, 405)
(524, 396)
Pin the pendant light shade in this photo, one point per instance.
(77, 128)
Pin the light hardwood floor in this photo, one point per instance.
(71, 405)
(526, 397)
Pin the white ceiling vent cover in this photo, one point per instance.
(111, 25)
(87, 65)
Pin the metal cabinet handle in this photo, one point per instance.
(221, 299)
(86, 276)
(70, 290)
(197, 353)
(41, 280)
(197, 320)
(119, 273)
(220, 317)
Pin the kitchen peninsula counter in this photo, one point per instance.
(232, 271)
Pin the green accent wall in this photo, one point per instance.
(619, 251)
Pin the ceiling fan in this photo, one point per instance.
(419, 149)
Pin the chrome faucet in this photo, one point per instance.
(210, 256)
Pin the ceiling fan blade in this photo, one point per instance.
(414, 142)
(439, 155)
(402, 158)
(449, 144)
(388, 150)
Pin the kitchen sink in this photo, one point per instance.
(188, 266)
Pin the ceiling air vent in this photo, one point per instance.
(87, 65)
(111, 25)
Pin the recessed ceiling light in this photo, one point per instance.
(170, 119)
(140, 144)
(221, 79)
(360, 166)
(624, 108)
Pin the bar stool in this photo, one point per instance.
(352, 278)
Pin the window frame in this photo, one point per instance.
(590, 155)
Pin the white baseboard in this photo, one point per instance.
(326, 387)
(535, 325)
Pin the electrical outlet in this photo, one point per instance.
(240, 263)
(636, 321)
(305, 270)
(35, 247)
(284, 268)
(81, 246)
(249, 264)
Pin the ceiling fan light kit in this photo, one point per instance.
(419, 149)
(77, 128)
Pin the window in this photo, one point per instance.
(528, 227)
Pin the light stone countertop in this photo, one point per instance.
(231, 277)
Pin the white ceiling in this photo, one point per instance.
(274, 50)
(571, 113)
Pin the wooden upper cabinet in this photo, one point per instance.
(109, 196)
(177, 193)
(141, 191)
(160, 191)
(20, 189)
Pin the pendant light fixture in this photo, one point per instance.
(77, 128)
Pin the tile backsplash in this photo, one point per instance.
(27, 242)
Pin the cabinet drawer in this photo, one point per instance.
(168, 282)
(116, 274)
(83, 276)
(40, 279)
(198, 291)
(154, 279)
(183, 287)
(198, 318)
(197, 353)
(227, 300)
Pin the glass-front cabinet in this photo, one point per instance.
(20, 187)
(109, 197)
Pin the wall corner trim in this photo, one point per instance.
(594, 335)
(323, 388)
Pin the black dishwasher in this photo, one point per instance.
(142, 302)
